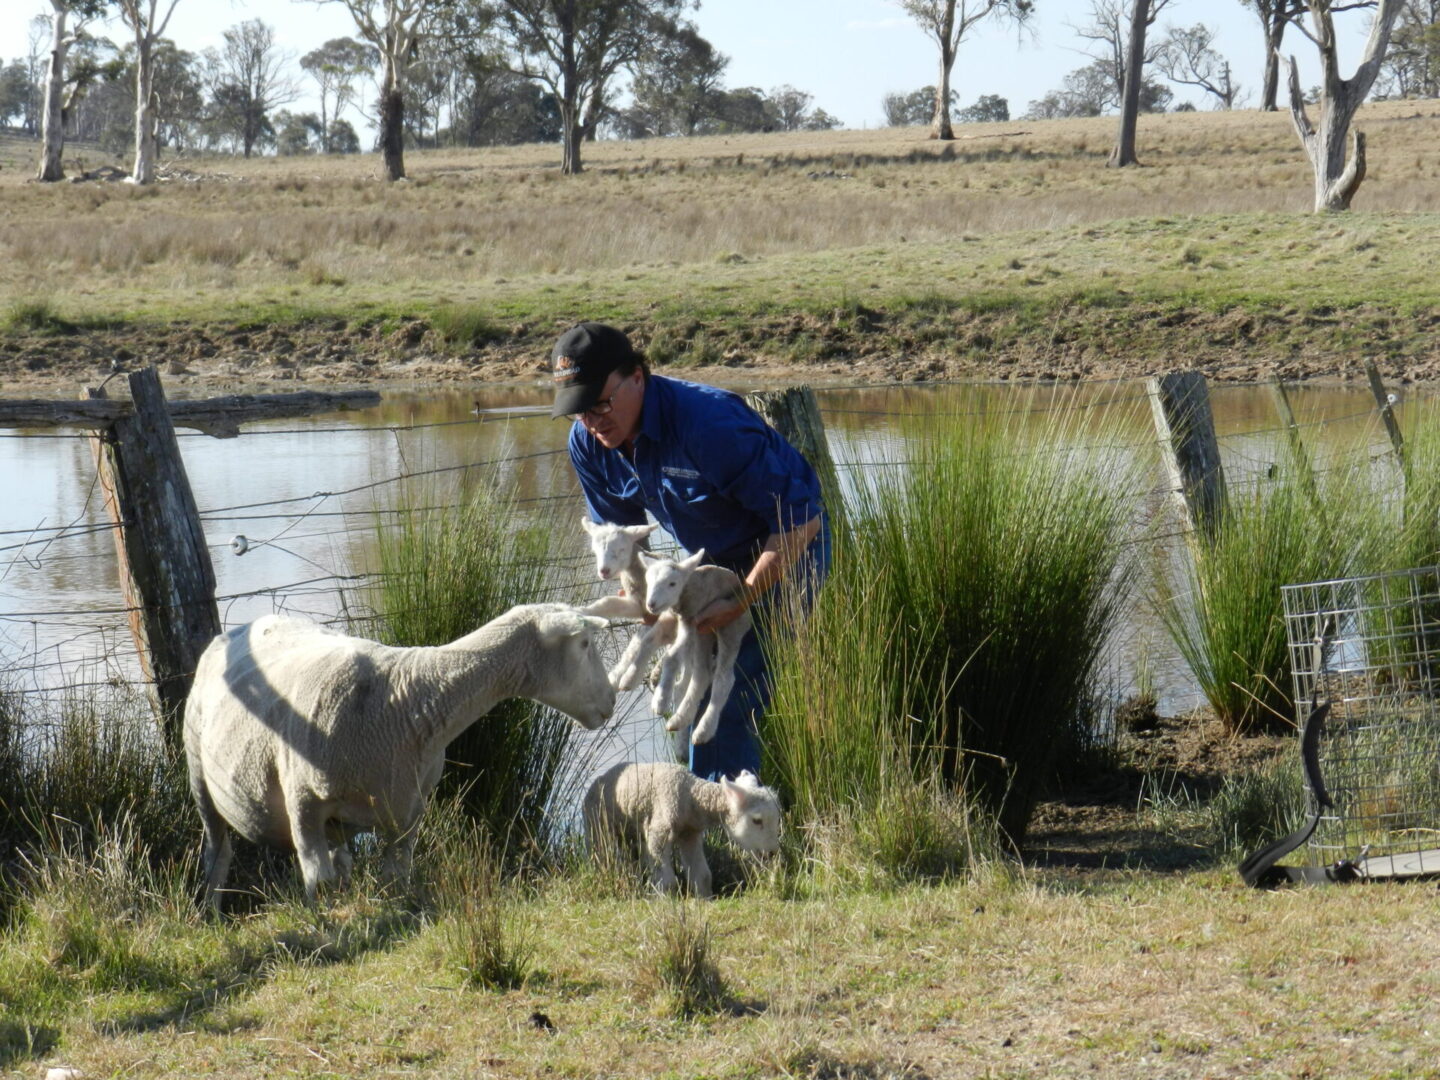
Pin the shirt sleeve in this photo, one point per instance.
(754, 466)
(604, 502)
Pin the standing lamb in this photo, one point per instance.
(688, 589)
(667, 807)
(299, 737)
(617, 555)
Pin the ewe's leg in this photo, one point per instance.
(215, 855)
(727, 649)
(307, 830)
(692, 858)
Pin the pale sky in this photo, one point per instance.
(847, 53)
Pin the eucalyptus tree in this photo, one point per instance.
(1187, 56)
(1337, 180)
(63, 36)
(574, 48)
(1274, 16)
(1132, 67)
(1412, 64)
(948, 22)
(395, 28)
(676, 84)
(335, 67)
(250, 79)
(147, 20)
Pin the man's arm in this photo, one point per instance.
(780, 553)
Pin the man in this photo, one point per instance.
(715, 476)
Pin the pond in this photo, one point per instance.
(288, 508)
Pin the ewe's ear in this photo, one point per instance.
(694, 560)
(554, 625)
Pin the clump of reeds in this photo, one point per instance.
(1221, 600)
(962, 630)
(444, 572)
(480, 930)
(678, 966)
(464, 326)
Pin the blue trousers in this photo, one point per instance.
(736, 745)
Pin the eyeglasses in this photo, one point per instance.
(600, 408)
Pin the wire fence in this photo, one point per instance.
(62, 619)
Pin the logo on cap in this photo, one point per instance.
(566, 370)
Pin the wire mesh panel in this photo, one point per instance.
(1371, 647)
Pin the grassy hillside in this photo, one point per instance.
(808, 248)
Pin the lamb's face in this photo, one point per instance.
(614, 546)
(664, 582)
(754, 818)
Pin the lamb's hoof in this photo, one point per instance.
(705, 730)
(674, 724)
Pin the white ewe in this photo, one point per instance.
(617, 555)
(300, 737)
(667, 807)
(688, 589)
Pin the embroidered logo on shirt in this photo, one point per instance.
(679, 473)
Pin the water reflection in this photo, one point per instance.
(302, 494)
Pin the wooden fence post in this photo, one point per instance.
(794, 413)
(165, 570)
(1180, 402)
(1387, 410)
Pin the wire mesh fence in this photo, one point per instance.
(1370, 646)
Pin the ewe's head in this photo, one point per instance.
(568, 670)
(753, 814)
(614, 546)
(665, 580)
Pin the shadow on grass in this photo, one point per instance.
(21, 1041)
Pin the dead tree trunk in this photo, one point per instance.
(1124, 152)
(52, 138)
(1336, 181)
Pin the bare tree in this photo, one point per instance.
(575, 47)
(1142, 16)
(948, 22)
(62, 36)
(335, 66)
(394, 27)
(146, 22)
(250, 80)
(1336, 181)
(1187, 56)
(1274, 16)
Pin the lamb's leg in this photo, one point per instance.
(679, 656)
(727, 648)
(216, 853)
(630, 669)
(613, 607)
(307, 831)
(692, 858)
(700, 665)
(659, 854)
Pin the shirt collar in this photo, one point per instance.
(650, 421)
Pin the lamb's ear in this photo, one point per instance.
(748, 779)
(639, 532)
(587, 524)
(735, 794)
(648, 559)
(693, 561)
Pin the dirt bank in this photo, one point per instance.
(847, 345)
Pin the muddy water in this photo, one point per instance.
(289, 507)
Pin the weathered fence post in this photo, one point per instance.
(165, 570)
(1297, 445)
(1387, 410)
(794, 413)
(1180, 402)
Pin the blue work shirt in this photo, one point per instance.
(713, 473)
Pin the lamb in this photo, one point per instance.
(300, 737)
(668, 807)
(688, 589)
(617, 555)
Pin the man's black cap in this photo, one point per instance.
(580, 363)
